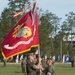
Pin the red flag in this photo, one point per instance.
(22, 37)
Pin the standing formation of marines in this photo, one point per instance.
(35, 66)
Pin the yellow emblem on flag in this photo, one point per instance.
(22, 31)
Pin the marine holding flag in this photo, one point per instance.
(22, 37)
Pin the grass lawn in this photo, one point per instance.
(10, 69)
(64, 69)
(15, 69)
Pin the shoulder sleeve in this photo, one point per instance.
(51, 69)
(33, 66)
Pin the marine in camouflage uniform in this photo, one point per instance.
(30, 66)
(49, 70)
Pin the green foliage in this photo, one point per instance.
(46, 28)
(67, 28)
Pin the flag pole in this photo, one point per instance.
(39, 59)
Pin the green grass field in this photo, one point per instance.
(64, 69)
(15, 69)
